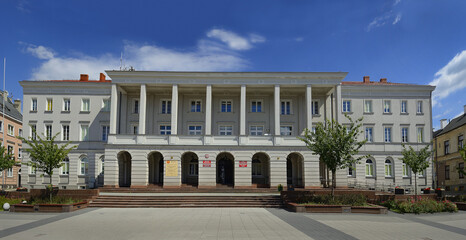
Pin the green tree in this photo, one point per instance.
(45, 154)
(417, 161)
(336, 144)
(7, 160)
(463, 155)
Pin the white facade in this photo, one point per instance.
(210, 128)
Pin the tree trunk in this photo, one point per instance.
(334, 181)
(51, 187)
(415, 186)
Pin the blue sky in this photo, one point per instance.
(421, 42)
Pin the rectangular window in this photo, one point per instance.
(286, 107)
(225, 130)
(9, 172)
(447, 172)
(106, 105)
(135, 129)
(196, 106)
(286, 130)
(315, 107)
(460, 142)
(32, 170)
(386, 106)
(226, 106)
(66, 104)
(388, 134)
(165, 130)
(313, 130)
(48, 132)
(84, 132)
(446, 146)
(65, 167)
(20, 132)
(194, 168)
(368, 106)
(256, 130)
(105, 132)
(11, 149)
(49, 104)
(33, 131)
(419, 106)
(351, 170)
(85, 105)
(136, 106)
(404, 135)
(195, 130)
(65, 132)
(34, 104)
(461, 168)
(346, 106)
(256, 106)
(369, 136)
(1, 126)
(405, 170)
(420, 134)
(11, 130)
(404, 106)
(20, 153)
(166, 107)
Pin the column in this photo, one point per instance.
(338, 102)
(277, 109)
(242, 118)
(174, 121)
(208, 110)
(114, 109)
(309, 107)
(142, 110)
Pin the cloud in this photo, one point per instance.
(299, 39)
(450, 78)
(217, 52)
(383, 20)
(397, 19)
(396, 2)
(23, 6)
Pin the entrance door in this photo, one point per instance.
(124, 167)
(161, 171)
(225, 171)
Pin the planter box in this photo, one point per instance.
(399, 191)
(461, 206)
(48, 207)
(373, 209)
(22, 208)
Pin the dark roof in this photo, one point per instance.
(452, 125)
(10, 109)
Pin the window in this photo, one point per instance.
(165, 130)
(106, 105)
(20, 153)
(286, 130)
(388, 168)
(1, 126)
(9, 172)
(386, 106)
(404, 106)
(460, 142)
(11, 149)
(368, 106)
(256, 130)
(166, 107)
(313, 129)
(369, 168)
(446, 145)
(461, 168)
(226, 106)
(369, 136)
(85, 104)
(225, 130)
(33, 131)
(34, 104)
(136, 106)
(20, 132)
(65, 166)
(102, 163)
(84, 132)
(65, 132)
(286, 107)
(105, 132)
(419, 106)
(256, 167)
(84, 166)
(66, 104)
(404, 135)
(388, 134)
(49, 104)
(315, 107)
(196, 106)
(195, 130)
(48, 132)
(11, 130)
(346, 106)
(193, 167)
(32, 170)
(420, 134)
(135, 129)
(405, 170)
(447, 172)
(351, 170)
(256, 106)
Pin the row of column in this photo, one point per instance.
(208, 109)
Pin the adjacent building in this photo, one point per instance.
(208, 129)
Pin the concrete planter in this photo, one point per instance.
(461, 206)
(373, 209)
(48, 207)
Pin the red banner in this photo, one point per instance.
(206, 163)
(243, 163)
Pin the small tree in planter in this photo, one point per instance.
(7, 160)
(417, 161)
(45, 154)
(336, 144)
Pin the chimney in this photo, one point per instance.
(464, 109)
(383, 80)
(365, 79)
(102, 77)
(5, 96)
(443, 123)
(84, 78)
(17, 105)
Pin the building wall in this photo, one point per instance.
(12, 141)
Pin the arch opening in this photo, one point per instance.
(225, 168)
(156, 165)
(295, 170)
(124, 169)
(190, 169)
(260, 170)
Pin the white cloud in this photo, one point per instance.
(40, 52)
(397, 19)
(450, 78)
(299, 39)
(23, 6)
(396, 2)
(233, 40)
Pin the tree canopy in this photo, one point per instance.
(7, 159)
(417, 161)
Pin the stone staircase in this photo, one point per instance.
(141, 201)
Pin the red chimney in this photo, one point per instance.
(365, 79)
(383, 80)
(102, 77)
(84, 78)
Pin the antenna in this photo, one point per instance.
(121, 61)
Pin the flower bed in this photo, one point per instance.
(420, 206)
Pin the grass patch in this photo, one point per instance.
(11, 201)
(55, 200)
(420, 206)
(348, 199)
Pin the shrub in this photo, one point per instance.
(280, 187)
(420, 206)
(55, 200)
(11, 201)
(348, 199)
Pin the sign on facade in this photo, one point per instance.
(206, 163)
(171, 170)
(243, 163)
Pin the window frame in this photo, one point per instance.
(81, 136)
(49, 104)
(66, 105)
(420, 134)
(225, 130)
(460, 141)
(135, 106)
(105, 132)
(446, 147)
(165, 106)
(405, 138)
(65, 133)
(195, 131)
(47, 135)
(385, 110)
(256, 168)
(33, 127)
(371, 139)
(388, 167)
(106, 107)
(83, 171)
(193, 167)
(195, 106)
(369, 168)
(12, 131)
(167, 129)
(33, 104)
(405, 103)
(251, 131)
(419, 107)
(83, 105)
(346, 106)
(389, 139)
(368, 104)
(314, 109)
(256, 102)
(9, 172)
(447, 172)
(289, 130)
(283, 103)
(65, 168)
(226, 102)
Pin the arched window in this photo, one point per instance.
(369, 168)
(193, 167)
(256, 167)
(65, 167)
(84, 166)
(388, 168)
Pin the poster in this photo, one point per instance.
(206, 163)
(243, 163)
(171, 169)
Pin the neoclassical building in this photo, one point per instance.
(209, 129)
